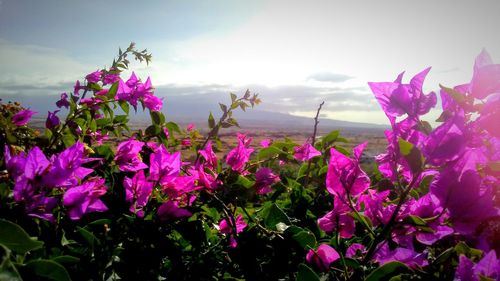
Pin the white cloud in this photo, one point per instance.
(38, 66)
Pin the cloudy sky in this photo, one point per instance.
(294, 53)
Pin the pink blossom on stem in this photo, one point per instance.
(94, 77)
(239, 156)
(127, 156)
(305, 152)
(137, 192)
(264, 178)
(84, 198)
(225, 227)
(22, 117)
(323, 257)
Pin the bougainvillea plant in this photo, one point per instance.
(89, 199)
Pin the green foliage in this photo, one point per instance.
(16, 239)
(387, 271)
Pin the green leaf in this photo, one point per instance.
(387, 270)
(104, 150)
(274, 215)
(124, 106)
(330, 137)
(49, 269)
(68, 140)
(66, 259)
(269, 152)
(48, 134)
(157, 117)
(15, 238)
(412, 154)
(292, 230)
(364, 220)
(323, 170)
(112, 91)
(211, 121)
(102, 122)
(444, 256)
(457, 96)
(303, 169)
(100, 222)
(405, 147)
(223, 107)
(306, 239)
(233, 97)
(415, 220)
(88, 236)
(425, 127)
(120, 119)
(306, 274)
(244, 181)
(8, 271)
(153, 130)
(173, 127)
(464, 249)
(342, 150)
(93, 125)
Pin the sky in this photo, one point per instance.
(295, 54)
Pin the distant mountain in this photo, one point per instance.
(253, 118)
(189, 109)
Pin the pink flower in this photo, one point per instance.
(102, 92)
(63, 102)
(485, 80)
(405, 255)
(208, 154)
(488, 266)
(127, 156)
(186, 142)
(84, 198)
(164, 167)
(124, 92)
(338, 220)
(137, 192)
(94, 77)
(345, 175)
(110, 78)
(226, 228)
(170, 211)
(397, 99)
(77, 88)
(355, 250)
(322, 257)
(208, 180)
(22, 117)
(305, 152)
(154, 103)
(265, 143)
(190, 127)
(239, 156)
(264, 178)
(52, 120)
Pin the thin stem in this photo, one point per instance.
(313, 141)
(227, 212)
(215, 130)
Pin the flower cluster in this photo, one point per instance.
(442, 181)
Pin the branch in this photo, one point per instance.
(316, 121)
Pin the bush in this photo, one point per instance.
(89, 199)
